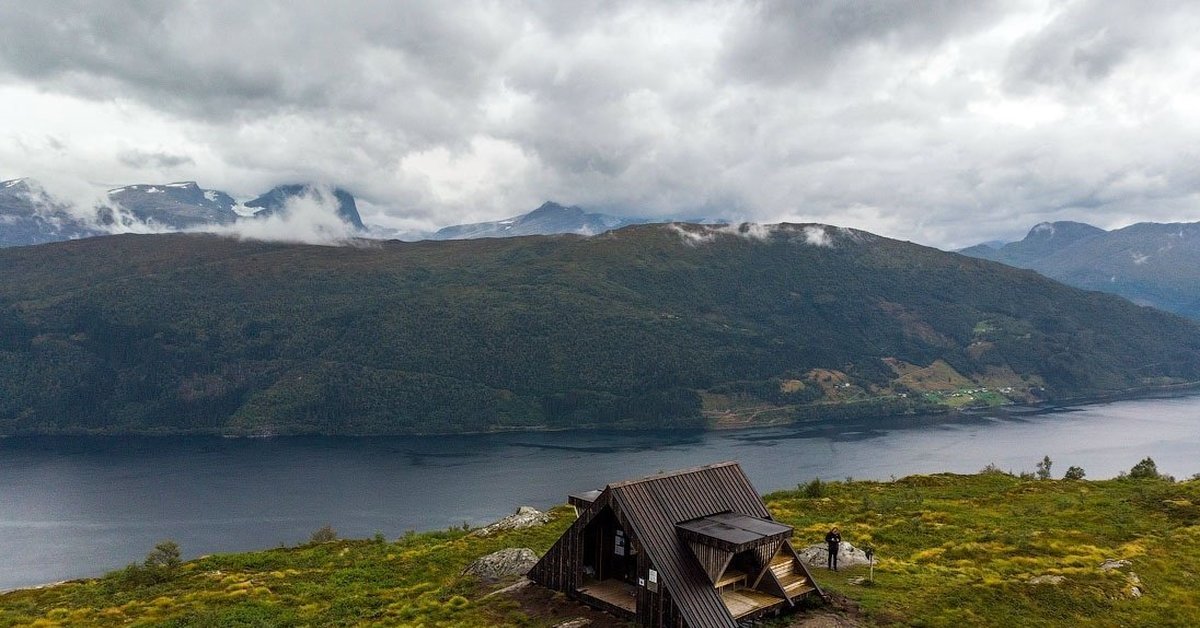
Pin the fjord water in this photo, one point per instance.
(80, 506)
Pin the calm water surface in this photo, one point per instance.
(73, 507)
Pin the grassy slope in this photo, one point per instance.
(954, 550)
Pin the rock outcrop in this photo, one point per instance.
(512, 561)
(817, 555)
(525, 517)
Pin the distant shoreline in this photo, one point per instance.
(1186, 389)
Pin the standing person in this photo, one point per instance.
(833, 542)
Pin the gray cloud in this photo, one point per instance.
(942, 122)
(145, 159)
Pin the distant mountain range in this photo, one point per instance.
(1155, 264)
(648, 326)
(30, 215)
(548, 219)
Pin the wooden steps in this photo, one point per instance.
(783, 565)
(793, 580)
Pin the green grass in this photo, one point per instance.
(960, 550)
(952, 550)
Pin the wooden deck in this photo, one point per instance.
(745, 601)
(611, 593)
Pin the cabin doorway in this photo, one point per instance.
(609, 562)
(608, 550)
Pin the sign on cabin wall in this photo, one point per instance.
(619, 543)
(652, 581)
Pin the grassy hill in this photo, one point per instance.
(648, 326)
(952, 550)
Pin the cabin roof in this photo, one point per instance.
(653, 506)
(733, 531)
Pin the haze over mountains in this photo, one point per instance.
(1155, 264)
(647, 326)
(31, 215)
(548, 219)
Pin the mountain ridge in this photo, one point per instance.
(648, 326)
(549, 218)
(30, 215)
(1153, 264)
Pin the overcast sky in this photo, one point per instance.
(946, 123)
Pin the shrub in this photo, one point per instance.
(813, 489)
(1074, 473)
(324, 534)
(992, 469)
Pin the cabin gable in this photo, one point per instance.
(692, 548)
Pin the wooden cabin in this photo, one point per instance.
(694, 548)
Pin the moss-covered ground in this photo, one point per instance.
(952, 550)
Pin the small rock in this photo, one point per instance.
(578, 622)
(816, 555)
(1134, 590)
(1114, 564)
(525, 517)
(513, 561)
(1047, 579)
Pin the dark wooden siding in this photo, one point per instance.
(654, 505)
(648, 510)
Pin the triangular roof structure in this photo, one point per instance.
(668, 515)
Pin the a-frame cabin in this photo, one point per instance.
(694, 548)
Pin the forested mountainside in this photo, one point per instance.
(645, 327)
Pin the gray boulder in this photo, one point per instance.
(512, 561)
(525, 517)
(817, 555)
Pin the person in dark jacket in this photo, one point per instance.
(833, 542)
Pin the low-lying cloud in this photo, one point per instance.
(813, 235)
(309, 218)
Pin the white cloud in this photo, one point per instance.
(941, 122)
(310, 218)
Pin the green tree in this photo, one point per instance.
(1043, 468)
(1074, 473)
(164, 556)
(1145, 470)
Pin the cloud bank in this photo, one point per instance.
(942, 122)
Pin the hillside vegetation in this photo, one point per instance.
(952, 551)
(648, 326)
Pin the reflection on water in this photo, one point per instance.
(71, 507)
